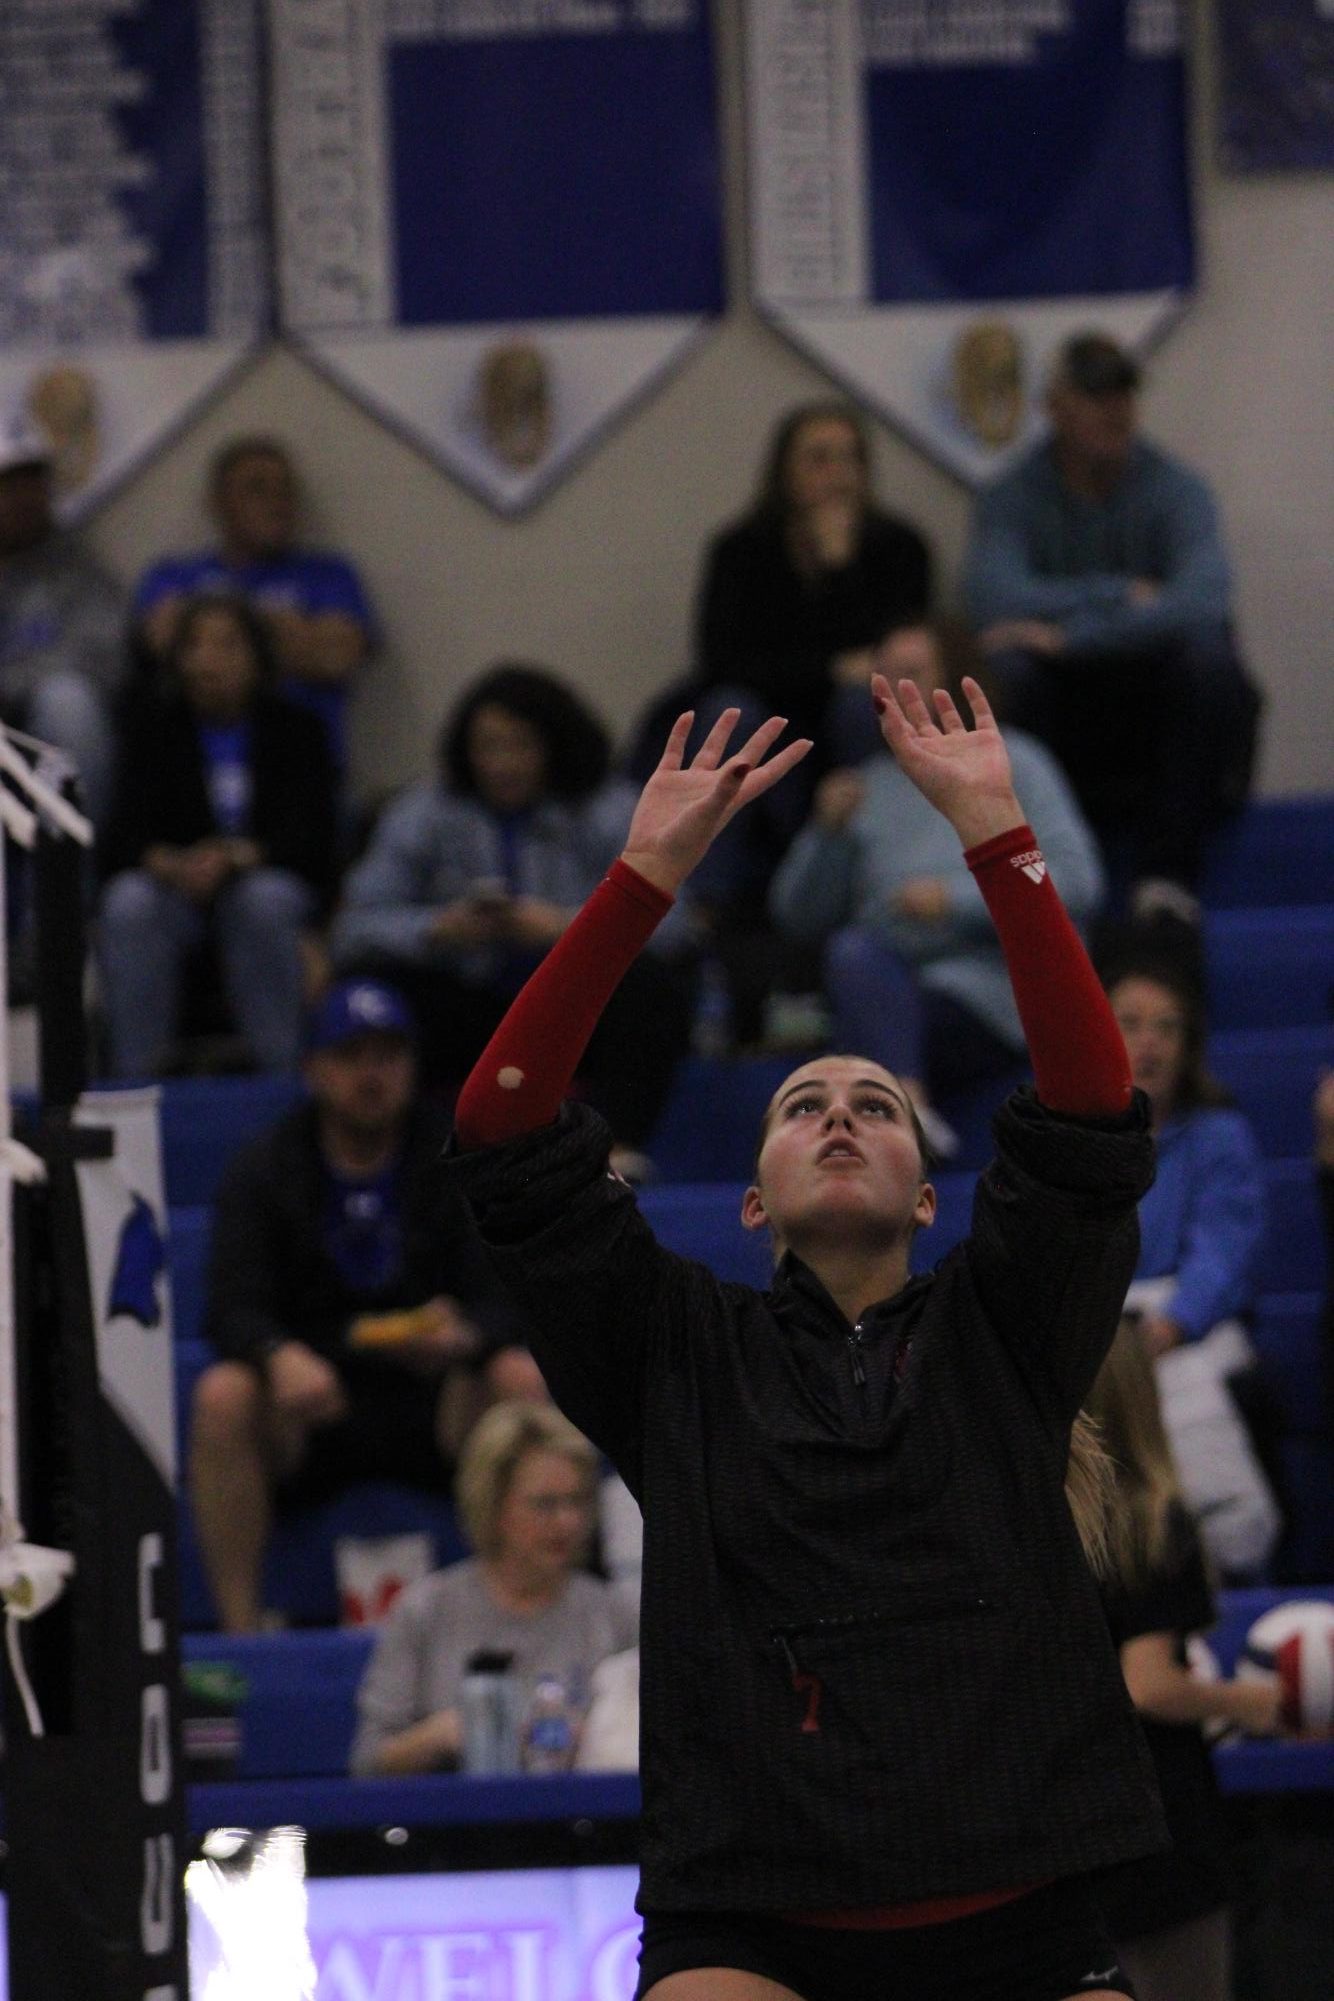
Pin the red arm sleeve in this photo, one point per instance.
(1079, 1059)
(519, 1079)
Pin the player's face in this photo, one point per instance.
(257, 504)
(840, 1163)
(1153, 1027)
(547, 1515)
(217, 665)
(507, 758)
(824, 463)
(365, 1083)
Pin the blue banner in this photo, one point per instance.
(1276, 84)
(989, 172)
(134, 265)
(499, 221)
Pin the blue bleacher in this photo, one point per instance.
(1278, 852)
(1270, 968)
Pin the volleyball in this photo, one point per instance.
(1296, 1642)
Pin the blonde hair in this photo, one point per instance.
(498, 1442)
(1124, 1402)
(1090, 1492)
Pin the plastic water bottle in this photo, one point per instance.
(490, 1714)
(550, 1730)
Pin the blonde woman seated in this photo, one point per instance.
(526, 1492)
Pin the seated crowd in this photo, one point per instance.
(357, 1328)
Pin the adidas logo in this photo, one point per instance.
(1031, 863)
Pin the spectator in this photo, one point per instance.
(472, 876)
(912, 965)
(526, 1493)
(1201, 1226)
(355, 1318)
(793, 599)
(321, 622)
(1098, 576)
(224, 829)
(1168, 1912)
(797, 593)
(62, 620)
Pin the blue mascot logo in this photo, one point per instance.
(141, 1258)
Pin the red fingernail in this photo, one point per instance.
(880, 704)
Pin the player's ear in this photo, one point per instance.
(754, 1215)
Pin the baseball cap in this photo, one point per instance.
(358, 1007)
(22, 444)
(1096, 365)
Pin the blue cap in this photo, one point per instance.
(359, 1007)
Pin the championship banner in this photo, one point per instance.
(133, 248)
(1276, 84)
(941, 194)
(498, 221)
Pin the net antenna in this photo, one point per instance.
(31, 1576)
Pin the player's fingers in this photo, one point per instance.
(675, 747)
(950, 720)
(757, 746)
(711, 752)
(768, 774)
(914, 708)
(983, 713)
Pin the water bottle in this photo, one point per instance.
(550, 1730)
(490, 1713)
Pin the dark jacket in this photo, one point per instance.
(1197, 1874)
(271, 1279)
(762, 625)
(875, 1664)
(162, 794)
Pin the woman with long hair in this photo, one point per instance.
(472, 875)
(884, 1731)
(1168, 1912)
(1201, 1226)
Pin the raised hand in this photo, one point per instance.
(684, 807)
(964, 773)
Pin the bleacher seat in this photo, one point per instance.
(1277, 852)
(1270, 968)
(1271, 1073)
(298, 1710)
(205, 1120)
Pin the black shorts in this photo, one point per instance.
(1039, 1947)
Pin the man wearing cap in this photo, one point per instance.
(358, 1326)
(62, 620)
(1098, 579)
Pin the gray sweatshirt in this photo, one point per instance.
(828, 880)
(419, 1659)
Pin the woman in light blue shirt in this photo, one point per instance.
(912, 965)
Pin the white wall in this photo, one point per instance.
(598, 582)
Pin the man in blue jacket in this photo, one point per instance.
(1097, 576)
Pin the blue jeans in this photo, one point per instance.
(882, 1010)
(147, 932)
